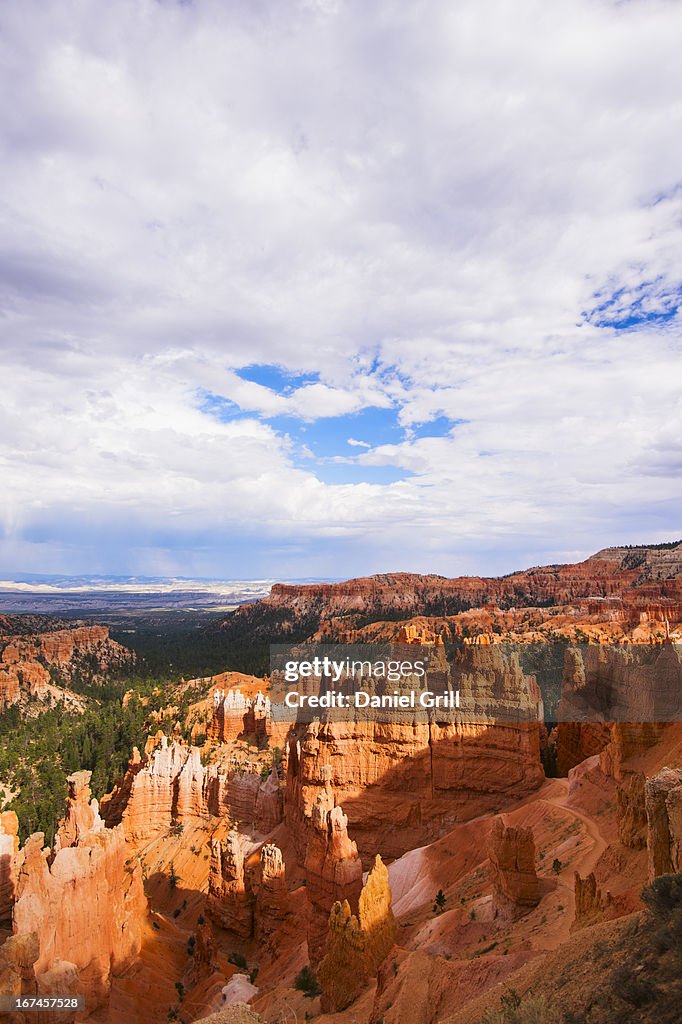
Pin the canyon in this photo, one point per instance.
(410, 871)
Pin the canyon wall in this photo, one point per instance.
(638, 580)
(401, 781)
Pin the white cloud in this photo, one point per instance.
(418, 203)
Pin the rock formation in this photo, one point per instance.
(356, 946)
(170, 785)
(82, 814)
(272, 897)
(590, 904)
(333, 871)
(85, 902)
(25, 660)
(269, 803)
(9, 845)
(664, 822)
(229, 903)
(18, 955)
(633, 580)
(516, 888)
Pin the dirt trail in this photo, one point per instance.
(584, 863)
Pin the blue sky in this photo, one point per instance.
(317, 288)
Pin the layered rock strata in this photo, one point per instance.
(9, 845)
(403, 781)
(25, 661)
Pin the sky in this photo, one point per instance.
(296, 288)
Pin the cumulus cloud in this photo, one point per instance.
(465, 212)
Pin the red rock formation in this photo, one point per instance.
(21, 676)
(153, 788)
(664, 822)
(269, 803)
(636, 579)
(86, 903)
(516, 888)
(343, 971)
(333, 871)
(18, 955)
(25, 660)
(590, 904)
(357, 946)
(82, 814)
(576, 740)
(272, 897)
(9, 845)
(402, 782)
(229, 903)
(170, 785)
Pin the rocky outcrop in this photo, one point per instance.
(170, 785)
(591, 905)
(357, 946)
(21, 677)
(272, 897)
(153, 788)
(229, 903)
(629, 739)
(629, 683)
(18, 955)
(516, 888)
(25, 661)
(269, 803)
(85, 902)
(664, 822)
(9, 845)
(333, 871)
(576, 740)
(82, 814)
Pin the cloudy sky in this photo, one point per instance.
(327, 287)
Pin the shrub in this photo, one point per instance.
(527, 1010)
(556, 866)
(306, 982)
(238, 959)
(439, 902)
